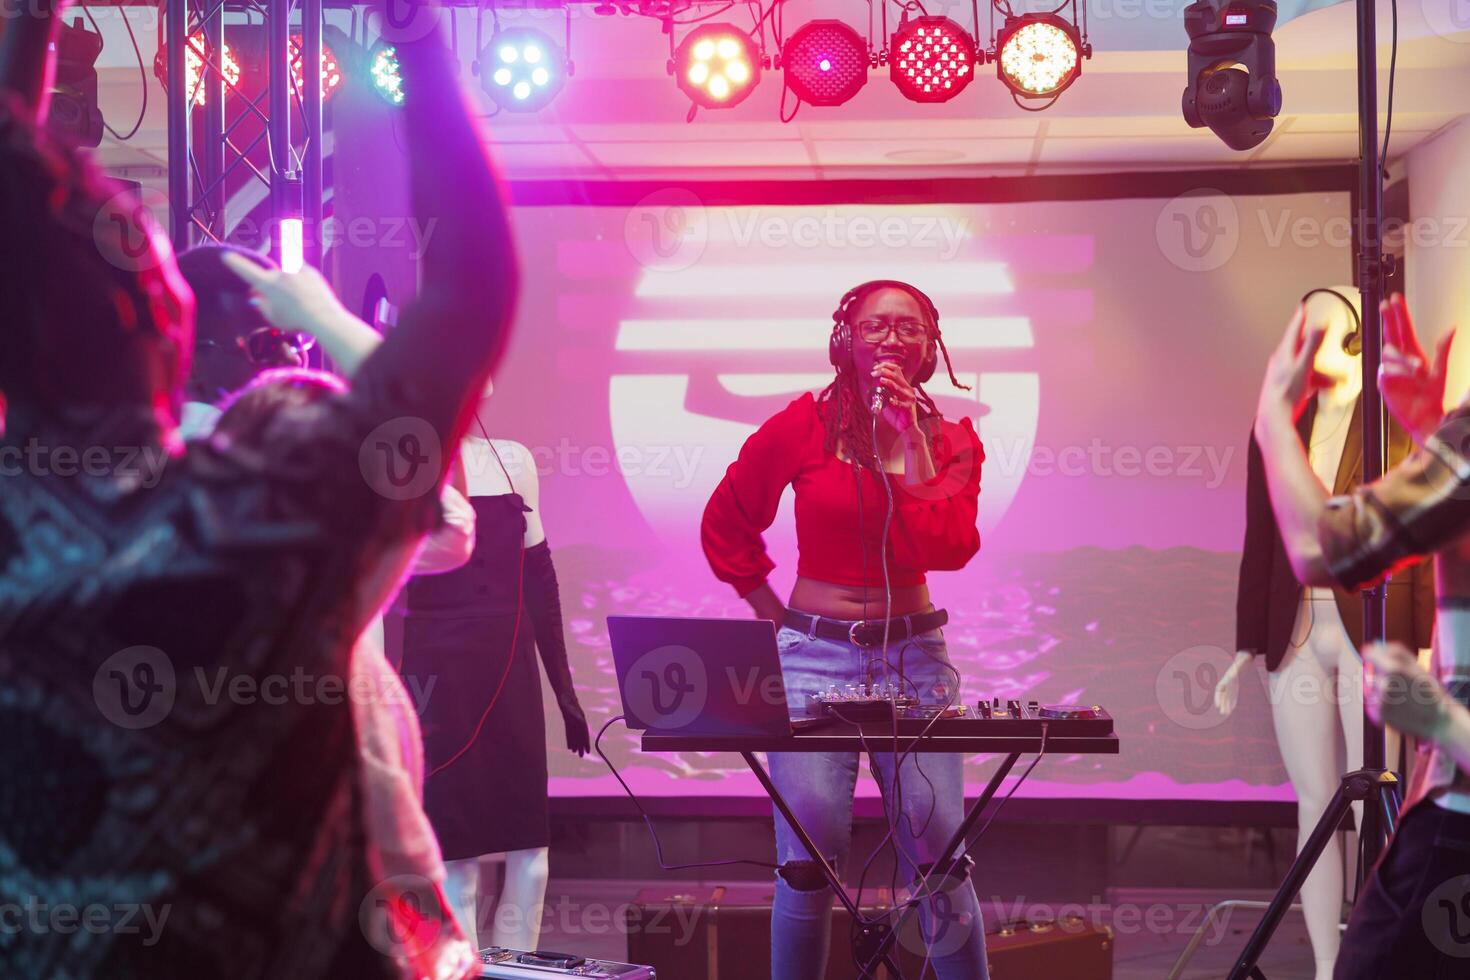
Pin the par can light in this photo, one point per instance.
(1038, 55)
(931, 59)
(825, 62)
(717, 65)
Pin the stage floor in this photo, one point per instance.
(1152, 927)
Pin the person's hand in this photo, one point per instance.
(288, 300)
(1413, 388)
(1401, 693)
(1227, 691)
(900, 401)
(766, 604)
(579, 737)
(1291, 376)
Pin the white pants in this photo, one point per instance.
(1317, 703)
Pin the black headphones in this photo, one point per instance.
(1352, 344)
(839, 345)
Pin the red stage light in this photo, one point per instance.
(826, 62)
(931, 59)
(194, 55)
(331, 71)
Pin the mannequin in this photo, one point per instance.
(1315, 680)
(502, 486)
(526, 869)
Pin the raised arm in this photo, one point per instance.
(304, 301)
(451, 335)
(1401, 693)
(1298, 498)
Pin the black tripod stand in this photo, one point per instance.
(1378, 789)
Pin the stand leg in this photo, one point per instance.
(955, 841)
(1392, 804)
(1355, 786)
(833, 881)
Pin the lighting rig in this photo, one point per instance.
(824, 63)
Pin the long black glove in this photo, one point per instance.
(543, 604)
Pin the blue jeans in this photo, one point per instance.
(818, 786)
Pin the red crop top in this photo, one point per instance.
(933, 522)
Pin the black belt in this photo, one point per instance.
(866, 632)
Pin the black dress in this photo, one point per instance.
(467, 633)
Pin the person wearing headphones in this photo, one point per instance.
(886, 490)
(233, 340)
(1308, 637)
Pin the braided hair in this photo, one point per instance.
(845, 415)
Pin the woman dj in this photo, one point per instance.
(881, 497)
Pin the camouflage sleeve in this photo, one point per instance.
(1416, 509)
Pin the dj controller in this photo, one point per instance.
(995, 717)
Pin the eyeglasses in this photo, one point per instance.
(270, 347)
(877, 331)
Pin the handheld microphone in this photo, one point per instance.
(875, 404)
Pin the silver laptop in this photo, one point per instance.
(701, 676)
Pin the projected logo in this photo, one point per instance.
(730, 340)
